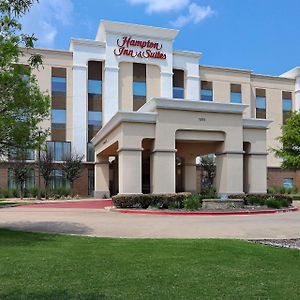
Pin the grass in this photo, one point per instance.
(42, 266)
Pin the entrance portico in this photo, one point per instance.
(185, 129)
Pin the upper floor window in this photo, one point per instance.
(235, 93)
(287, 106)
(59, 150)
(94, 98)
(58, 116)
(206, 90)
(261, 103)
(178, 84)
(90, 152)
(59, 88)
(18, 154)
(139, 87)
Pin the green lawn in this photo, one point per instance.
(42, 266)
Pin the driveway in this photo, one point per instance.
(102, 223)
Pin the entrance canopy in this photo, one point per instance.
(165, 128)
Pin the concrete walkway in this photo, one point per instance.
(99, 222)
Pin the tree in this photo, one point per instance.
(289, 151)
(46, 166)
(72, 166)
(209, 166)
(22, 105)
(20, 169)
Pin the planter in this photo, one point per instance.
(217, 204)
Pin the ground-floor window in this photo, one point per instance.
(29, 183)
(288, 182)
(58, 180)
(91, 182)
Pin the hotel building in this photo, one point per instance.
(141, 112)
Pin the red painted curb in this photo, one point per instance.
(206, 213)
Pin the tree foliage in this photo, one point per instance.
(289, 151)
(22, 105)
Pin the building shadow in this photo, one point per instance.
(49, 227)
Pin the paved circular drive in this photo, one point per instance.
(99, 222)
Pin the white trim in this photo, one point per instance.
(293, 73)
(256, 123)
(85, 42)
(193, 54)
(134, 29)
(170, 103)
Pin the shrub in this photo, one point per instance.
(260, 199)
(33, 192)
(273, 203)
(192, 203)
(7, 193)
(146, 200)
(209, 193)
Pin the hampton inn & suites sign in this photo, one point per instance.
(127, 46)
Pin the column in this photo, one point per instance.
(163, 178)
(130, 170)
(79, 122)
(110, 92)
(166, 84)
(256, 173)
(102, 177)
(189, 174)
(192, 87)
(297, 94)
(229, 177)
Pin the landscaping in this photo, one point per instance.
(203, 202)
(42, 266)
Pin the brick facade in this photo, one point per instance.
(277, 175)
(80, 185)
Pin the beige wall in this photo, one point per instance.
(152, 81)
(60, 59)
(125, 86)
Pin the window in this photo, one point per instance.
(260, 103)
(91, 182)
(59, 98)
(206, 91)
(58, 180)
(29, 183)
(178, 84)
(235, 93)
(13, 154)
(58, 116)
(288, 182)
(94, 98)
(59, 149)
(90, 152)
(139, 87)
(287, 106)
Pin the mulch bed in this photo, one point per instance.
(280, 243)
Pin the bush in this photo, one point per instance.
(273, 203)
(261, 199)
(59, 192)
(33, 192)
(209, 193)
(282, 190)
(146, 200)
(192, 203)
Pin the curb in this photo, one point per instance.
(206, 213)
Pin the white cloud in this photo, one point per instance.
(156, 6)
(195, 15)
(46, 18)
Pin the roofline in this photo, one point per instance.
(58, 51)
(227, 69)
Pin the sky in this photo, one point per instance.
(258, 35)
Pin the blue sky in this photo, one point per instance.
(259, 35)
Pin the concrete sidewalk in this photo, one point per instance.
(98, 222)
